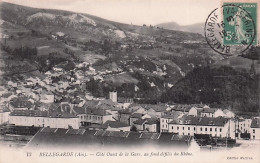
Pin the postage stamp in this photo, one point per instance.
(240, 23)
(233, 28)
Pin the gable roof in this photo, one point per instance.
(151, 121)
(114, 124)
(99, 112)
(125, 111)
(156, 108)
(79, 110)
(172, 115)
(208, 110)
(140, 121)
(137, 115)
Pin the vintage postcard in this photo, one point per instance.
(129, 81)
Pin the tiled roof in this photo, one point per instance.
(79, 110)
(208, 110)
(106, 101)
(38, 113)
(136, 115)
(140, 121)
(48, 137)
(151, 121)
(255, 123)
(114, 124)
(21, 103)
(29, 113)
(201, 121)
(171, 115)
(182, 108)
(100, 112)
(149, 135)
(125, 111)
(157, 107)
(106, 107)
(91, 104)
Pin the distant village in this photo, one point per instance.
(57, 101)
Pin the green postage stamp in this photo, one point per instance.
(233, 28)
(240, 21)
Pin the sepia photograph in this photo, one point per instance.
(129, 81)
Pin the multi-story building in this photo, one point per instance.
(255, 128)
(165, 119)
(151, 125)
(43, 119)
(190, 125)
(124, 115)
(97, 116)
(243, 125)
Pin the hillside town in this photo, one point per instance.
(70, 78)
(59, 100)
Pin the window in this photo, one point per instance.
(183, 133)
(253, 130)
(166, 126)
(253, 137)
(162, 121)
(194, 128)
(206, 129)
(188, 128)
(172, 127)
(220, 129)
(210, 129)
(189, 134)
(201, 129)
(183, 128)
(178, 128)
(166, 121)
(162, 126)
(216, 129)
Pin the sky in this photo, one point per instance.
(138, 12)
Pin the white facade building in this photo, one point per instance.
(255, 129)
(43, 119)
(216, 127)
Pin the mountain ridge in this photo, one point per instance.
(194, 28)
